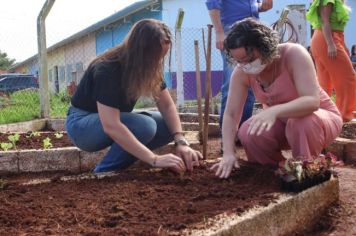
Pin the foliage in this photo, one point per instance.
(13, 139)
(21, 106)
(59, 104)
(6, 146)
(47, 143)
(34, 134)
(58, 135)
(299, 169)
(2, 184)
(5, 61)
(25, 105)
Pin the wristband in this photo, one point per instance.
(182, 141)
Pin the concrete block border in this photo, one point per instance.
(344, 149)
(70, 159)
(291, 213)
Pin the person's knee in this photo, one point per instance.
(301, 125)
(144, 128)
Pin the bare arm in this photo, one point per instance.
(169, 112)
(110, 119)
(300, 66)
(219, 29)
(170, 115)
(232, 117)
(234, 109)
(325, 12)
(303, 73)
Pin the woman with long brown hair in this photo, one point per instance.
(101, 112)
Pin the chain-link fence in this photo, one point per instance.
(68, 59)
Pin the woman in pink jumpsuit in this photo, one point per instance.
(297, 114)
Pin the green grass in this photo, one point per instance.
(59, 105)
(25, 106)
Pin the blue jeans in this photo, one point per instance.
(250, 100)
(86, 132)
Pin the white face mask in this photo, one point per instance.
(254, 67)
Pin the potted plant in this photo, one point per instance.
(298, 174)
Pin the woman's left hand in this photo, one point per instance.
(332, 51)
(190, 156)
(263, 121)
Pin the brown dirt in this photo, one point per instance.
(143, 201)
(29, 141)
(139, 200)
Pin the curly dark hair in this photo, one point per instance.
(249, 34)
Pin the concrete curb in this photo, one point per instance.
(291, 213)
(33, 125)
(344, 149)
(70, 159)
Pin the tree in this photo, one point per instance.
(5, 62)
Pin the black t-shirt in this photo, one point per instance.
(102, 82)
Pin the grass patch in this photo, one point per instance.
(25, 105)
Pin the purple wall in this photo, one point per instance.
(190, 91)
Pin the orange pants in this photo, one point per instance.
(335, 73)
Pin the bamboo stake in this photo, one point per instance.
(207, 92)
(198, 84)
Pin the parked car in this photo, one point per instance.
(14, 82)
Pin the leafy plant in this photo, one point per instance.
(2, 184)
(6, 146)
(58, 135)
(300, 169)
(34, 134)
(14, 139)
(47, 143)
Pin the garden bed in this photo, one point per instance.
(145, 201)
(137, 201)
(35, 140)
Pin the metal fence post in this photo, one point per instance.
(42, 57)
(180, 85)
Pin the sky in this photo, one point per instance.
(18, 22)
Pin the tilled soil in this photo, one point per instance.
(139, 201)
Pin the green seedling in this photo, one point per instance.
(34, 134)
(47, 143)
(58, 135)
(6, 146)
(2, 184)
(13, 139)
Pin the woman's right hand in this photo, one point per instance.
(224, 167)
(170, 161)
(332, 51)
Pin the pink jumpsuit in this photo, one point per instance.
(305, 136)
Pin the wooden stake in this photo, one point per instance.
(207, 93)
(198, 84)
